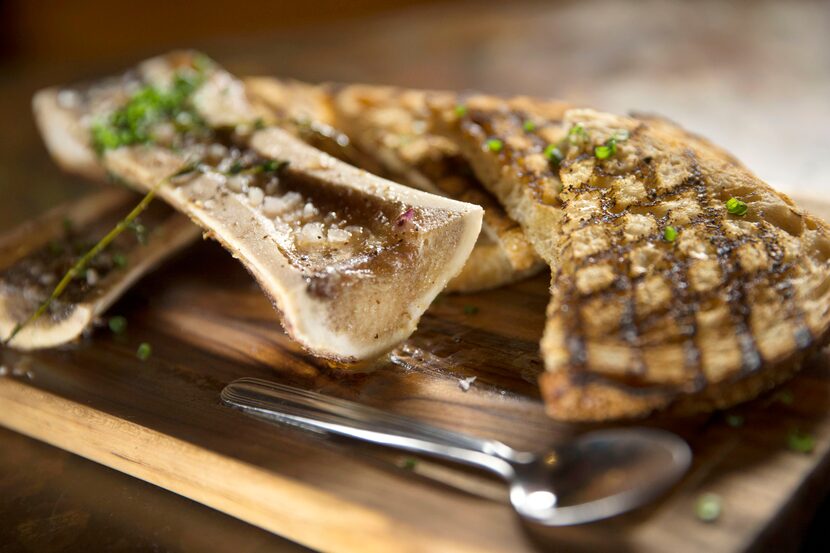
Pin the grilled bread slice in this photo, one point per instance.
(384, 130)
(350, 260)
(680, 280)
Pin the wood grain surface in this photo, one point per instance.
(160, 420)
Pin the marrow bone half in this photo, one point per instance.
(350, 260)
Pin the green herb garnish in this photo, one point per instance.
(409, 463)
(735, 420)
(494, 145)
(461, 110)
(119, 260)
(801, 442)
(144, 351)
(470, 309)
(236, 168)
(708, 507)
(553, 154)
(670, 234)
(267, 166)
(133, 123)
(272, 166)
(118, 324)
(606, 150)
(529, 126)
(736, 207)
(577, 134)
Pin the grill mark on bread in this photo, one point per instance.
(736, 298)
(784, 287)
(479, 125)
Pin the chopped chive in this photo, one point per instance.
(236, 168)
(119, 260)
(144, 351)
(118, 324)
(735, 420)
(470, 309)
(494, 145)
(670, 234)
(736, 207)
(801, 442)
(409, 463)
(708, 507)
(622, 135)
(577, 133)
(602, 152)
(606, 150)
(529, 126)
(553, 154)
(259, 123)
(273, 165)
(461, 110)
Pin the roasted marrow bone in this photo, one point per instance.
(36, 255)
(385, 131)
(680, 280)
(349, 259)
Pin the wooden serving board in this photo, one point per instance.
(161, 420)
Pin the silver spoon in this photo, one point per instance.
(595, 476)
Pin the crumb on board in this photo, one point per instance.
(465, 383)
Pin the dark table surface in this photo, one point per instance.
(753, 76)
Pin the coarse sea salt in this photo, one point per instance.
(465, 383)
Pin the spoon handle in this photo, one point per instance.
(316, 412)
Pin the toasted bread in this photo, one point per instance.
(662, 297)
(384, 130)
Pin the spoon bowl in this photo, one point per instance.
(597, 475)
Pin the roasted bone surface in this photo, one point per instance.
(349, 259)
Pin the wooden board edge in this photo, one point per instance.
(282, 506)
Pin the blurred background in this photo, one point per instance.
(752, 75)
